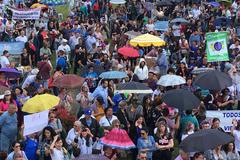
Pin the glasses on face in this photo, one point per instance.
(142, 133)
(17, 146)
(75, 126)
(91, 69)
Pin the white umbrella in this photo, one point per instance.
(171, 80)
(118, 1)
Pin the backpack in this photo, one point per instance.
(67, 67)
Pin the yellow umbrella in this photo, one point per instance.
(40, 103)
(38, 5)
(147, 40)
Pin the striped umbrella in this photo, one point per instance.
(147, 40)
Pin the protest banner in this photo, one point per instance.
(35, 122)
(225, 118)
(33, 13)
(217, 46)
(161, 25)
(11, 47)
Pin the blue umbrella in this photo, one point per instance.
(53, 2)
(214, 4)
(113, 75)
(179, 20)
(219, 20)
(11, 73)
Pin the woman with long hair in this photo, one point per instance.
(215, 124)
(164, 142)
(85, 141)
(236, 134)
(146, 106)
(135, 133)
(45, 143)
(230, 151)
(201, 113)
(16, 148)
(182, 71)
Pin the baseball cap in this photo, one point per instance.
(64, 40)
(39, 77)
(100, 100)
(88, 111)
(135, 101)
(7, 92)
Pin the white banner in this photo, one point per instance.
(33, 13)
(225, 118)
(35, 122)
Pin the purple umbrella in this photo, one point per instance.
(11, 73)
(91, 157)
(214, 4)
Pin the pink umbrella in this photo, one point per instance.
(126, 51)
(117, 138)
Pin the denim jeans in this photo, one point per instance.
(6, 143)
(45, 83)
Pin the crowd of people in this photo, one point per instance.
(92, 34)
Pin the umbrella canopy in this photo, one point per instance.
(213, 80)
(132, 34)
(11, 73)
(126, 51)
(113, 75)
(133, 87)
(53, 2)
(204, 140)
(3, 89)
(201, 70)
(40, 103)
(118, 1)
(164, 3)
(179, 20)
(39, 5)
(68, 81)
(96, 68)
(226, 2)
(117, 138)
(171, 80)
(214, 4)
(146, 40)
(219, 20)
(181, 99)
(91, 157)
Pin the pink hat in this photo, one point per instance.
(103, 44)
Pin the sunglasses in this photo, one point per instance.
(142, 133)
(17, 146)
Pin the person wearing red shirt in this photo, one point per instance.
(96, 10)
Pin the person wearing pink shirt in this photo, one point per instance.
(7, 99)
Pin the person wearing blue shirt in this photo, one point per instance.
(61, 59)
(195, 37)
(102, 91)
(8, 123)
(91, 76)
(75, 29)
(150, 146)
(116, 99)
(161, 62)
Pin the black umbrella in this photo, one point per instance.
(164, 3)
(96, 68)
(204, 140)
(133, 87)
(91, 157)
(181, 99)
(213, 80)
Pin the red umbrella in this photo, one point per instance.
(126, 51)
(117, 138)
(68, 81)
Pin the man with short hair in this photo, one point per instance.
(65, 31)
(4, 60)
(61, 59)
(17, 156)
(102, 90)
(45, 50)
(10, 37)
(161, 62)
(90, 40)
(183, 155)
(8, 123)
(44, 70)
(134, 77)
(73, 41)
(151, 82)
(65, 48)
(22, 37)
(142, 155)
(79, 54)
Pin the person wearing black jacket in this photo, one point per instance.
(91, 123)
(79, 51)
(122, 115)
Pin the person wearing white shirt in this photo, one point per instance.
(4, 60)
(176, 29)
(196, 13)
(22, 37)
(108, 118)
(56, 150)
(65, 48)
(77, 126)
(228, 13)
